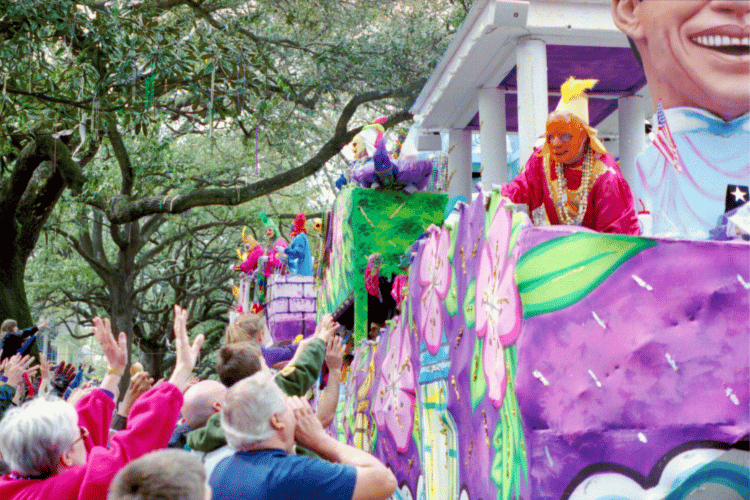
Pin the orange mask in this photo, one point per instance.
(566, 138)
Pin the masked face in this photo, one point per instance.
(566, 138)
(269, 233)
(358, 147)
(696, 53)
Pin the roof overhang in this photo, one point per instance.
(582, 41)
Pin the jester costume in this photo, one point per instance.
(572, 179)
(609, 204)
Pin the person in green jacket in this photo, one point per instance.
(243, 359)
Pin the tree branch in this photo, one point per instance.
(123, 159)
(121, 209)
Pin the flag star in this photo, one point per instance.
(739, 194)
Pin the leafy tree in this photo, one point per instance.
(87, 85)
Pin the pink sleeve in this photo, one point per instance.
(281, 242)
(150, 424)
(251, 263)
(613, 203)
(526, 188)
(95, 413)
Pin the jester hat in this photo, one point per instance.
(371, 135)
(574, 100)
(268, 223)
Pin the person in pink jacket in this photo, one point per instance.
(56, 451)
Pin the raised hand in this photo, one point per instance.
(308, 430)
(326, 328)
(139, 384)
(15, 367)
(335, 353)
(46, 367)
(116, 351)
(64, 375)
(186, 355)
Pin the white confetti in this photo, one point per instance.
(642, 283)
(642, 437)
(599, 320)
(733, 397)
(541, 378)
(744, 283)
(549, 457)
(598, 384)
(671, 361)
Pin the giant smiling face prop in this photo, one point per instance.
(695, 53)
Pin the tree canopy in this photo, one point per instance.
(100, 97)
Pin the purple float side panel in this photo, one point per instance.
(291, 306)
(656, 356)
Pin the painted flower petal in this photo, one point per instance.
(442, 269)
(508, 325)
(494, 369)
(484, 287)
(393, 405)
(498, 237)
(427, 260)
(431, 319)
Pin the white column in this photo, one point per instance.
(492, 137)
(533, 107)
(459, 163)
(632, 135)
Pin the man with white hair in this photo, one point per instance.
(263, 426)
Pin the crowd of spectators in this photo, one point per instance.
(252, 434)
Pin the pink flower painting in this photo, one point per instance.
(435, 280)
(498, 305)
(393, 405)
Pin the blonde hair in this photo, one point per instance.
(247, 327)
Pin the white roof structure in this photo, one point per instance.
(483, 54)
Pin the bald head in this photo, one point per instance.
(201, 401)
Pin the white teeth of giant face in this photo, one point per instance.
(721, 41)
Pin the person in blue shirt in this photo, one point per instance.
(264, 425)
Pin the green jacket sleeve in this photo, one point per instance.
(296, 379)
(208, 438)
(6, 397)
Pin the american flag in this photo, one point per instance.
(664, 141)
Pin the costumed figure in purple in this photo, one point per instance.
(372, 167)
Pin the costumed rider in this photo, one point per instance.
(298, 253)
(372, 167)
(247, 269)
(572, 179)
(274, 241)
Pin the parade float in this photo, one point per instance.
(551, 362)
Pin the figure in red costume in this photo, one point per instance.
(572, 179)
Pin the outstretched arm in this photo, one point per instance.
(374, 481)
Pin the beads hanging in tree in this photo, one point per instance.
(211, 103)
(149, 96)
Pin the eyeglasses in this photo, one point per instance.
(84, 434)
